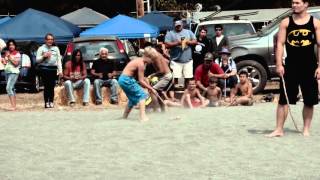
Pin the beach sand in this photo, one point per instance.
(211, 143)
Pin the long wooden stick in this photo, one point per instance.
(286, 95)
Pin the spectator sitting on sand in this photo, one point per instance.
(244, 90)
(213, 92)
(192, 98)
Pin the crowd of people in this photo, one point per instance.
(204, 64)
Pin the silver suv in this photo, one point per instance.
(255, 53)
(230, 27)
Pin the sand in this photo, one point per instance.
(211, 143)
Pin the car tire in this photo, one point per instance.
(35, 87)
(257, 74)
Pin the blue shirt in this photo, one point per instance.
(176, 53)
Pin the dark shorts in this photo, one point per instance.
(308, 85)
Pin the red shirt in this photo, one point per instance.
(202, 75)
(77, 72)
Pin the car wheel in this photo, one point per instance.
(35, 87)
(257, 74)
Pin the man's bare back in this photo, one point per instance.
(133, 67)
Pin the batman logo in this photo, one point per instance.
(300, 37)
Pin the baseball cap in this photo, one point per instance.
(208, 56)
(178, 23)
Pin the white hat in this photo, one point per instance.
(178, 23)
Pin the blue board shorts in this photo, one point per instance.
(133, 90)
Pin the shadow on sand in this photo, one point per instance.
(258, 131)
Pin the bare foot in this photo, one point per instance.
(176, 118)
(306, 133)
(12, 109)
(275, 133)
(144, 119)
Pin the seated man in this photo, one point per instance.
(192, 98)
(75, 73)
(103, 71)
(206, 70)
(229, 68)
(244, 91)
(213, 93)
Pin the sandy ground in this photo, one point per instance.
(34, 101)
(205, 144)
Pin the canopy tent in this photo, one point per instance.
(33, 25)
(5, 19)
(158, 19)
(123, 27)
(85, 17)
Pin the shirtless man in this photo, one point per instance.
(213, 93)
(192, 98)
(134, 92)
(164, 74)
(244, 88)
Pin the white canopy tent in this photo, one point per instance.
(85, 17)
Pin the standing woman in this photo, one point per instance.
(49, 59)
(11, 61)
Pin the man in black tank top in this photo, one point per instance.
(299, 33)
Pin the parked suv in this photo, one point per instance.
(90, 47)
(230, 27)
(256, 53)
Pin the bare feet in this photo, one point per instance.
(275, 133)
(306, 133)
(175, 118)
(144, 119)
(12, 109)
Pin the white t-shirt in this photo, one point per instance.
(218, 39)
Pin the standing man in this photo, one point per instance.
(179, 41)
(204, 45)
(298, 33)
(219, 40)
(103, 71)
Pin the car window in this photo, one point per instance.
(316, 14)
(90, 50)
(131, 51)
(230, 29)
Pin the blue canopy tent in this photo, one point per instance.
(123, 27)
(5, 19)
(33, 25)
(156, 18)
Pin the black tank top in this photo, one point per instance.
(300, 42)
